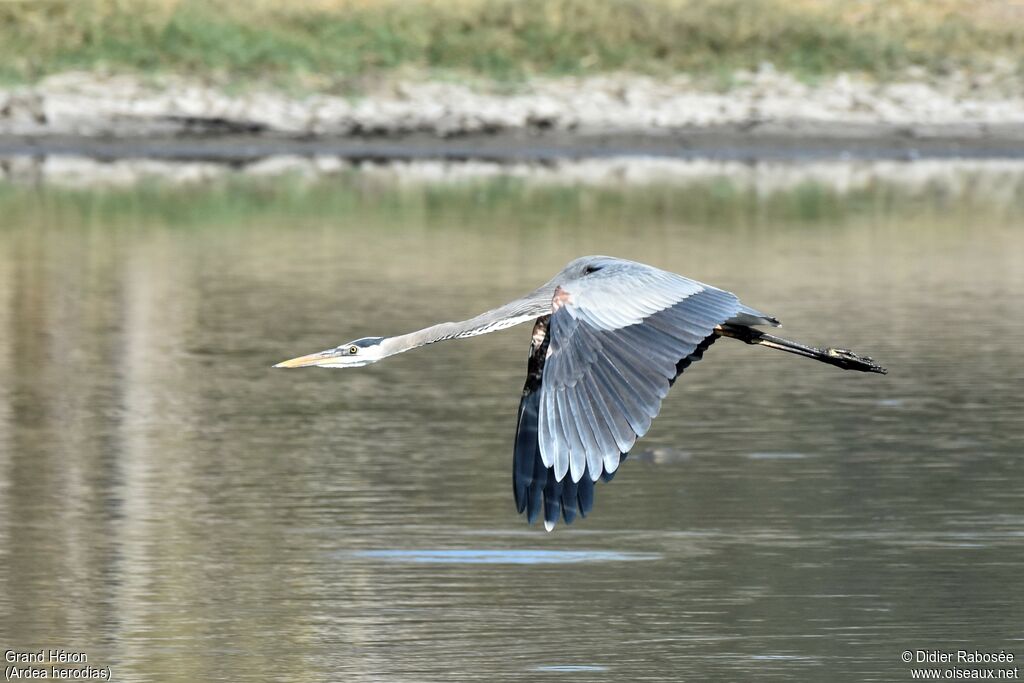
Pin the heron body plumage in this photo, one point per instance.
(610, 338)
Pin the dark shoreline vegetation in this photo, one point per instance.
(340, 44)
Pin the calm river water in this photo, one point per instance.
(175, 509)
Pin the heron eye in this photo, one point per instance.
(353, 350)
(591, 269)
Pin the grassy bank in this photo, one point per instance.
(342, 40)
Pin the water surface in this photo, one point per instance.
(179, 511)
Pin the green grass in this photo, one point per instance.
(342, 40)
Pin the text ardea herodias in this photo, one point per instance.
(610, 337)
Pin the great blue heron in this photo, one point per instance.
(610, 337)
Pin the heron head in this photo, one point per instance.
(353, 354)
(589, 266)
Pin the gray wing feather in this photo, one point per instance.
(574, 445)
(614, 348)
(613, 420)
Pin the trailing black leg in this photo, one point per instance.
(841, 358)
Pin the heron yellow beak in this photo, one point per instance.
(307, 361)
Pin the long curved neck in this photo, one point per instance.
(531, 306)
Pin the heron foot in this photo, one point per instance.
(849, 359)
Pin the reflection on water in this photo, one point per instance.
(503, 556)
(179, 511)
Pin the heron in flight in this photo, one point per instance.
(610, 337)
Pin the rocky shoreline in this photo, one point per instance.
(762, 114)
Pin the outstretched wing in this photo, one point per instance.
(615, 342)
(534, 484)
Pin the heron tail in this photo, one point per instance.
(841, 358)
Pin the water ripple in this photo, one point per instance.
(471, 556)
